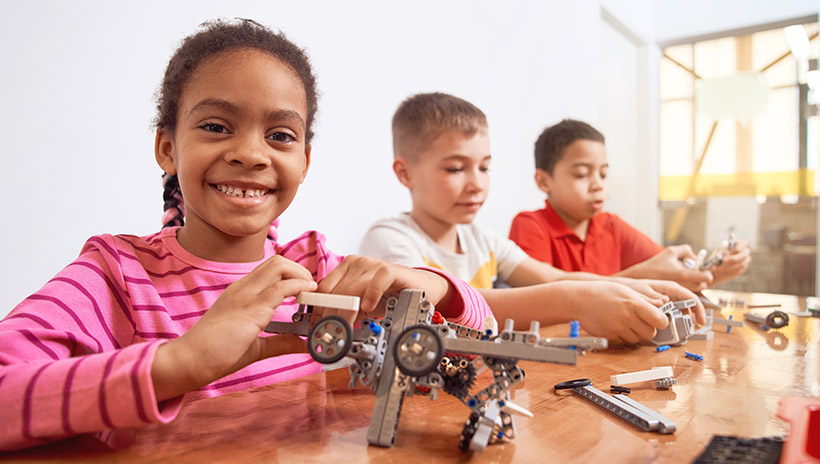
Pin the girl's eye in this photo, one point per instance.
(214, 127)
(281, 137)
(484, 169)
(453, 170)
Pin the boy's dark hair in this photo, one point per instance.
(215, 37)
(550, 146)
(423, 117)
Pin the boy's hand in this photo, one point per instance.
(667, 265)
(614, 311)
(371, 279)
(226, 338)
(735, 262)
(677, 292)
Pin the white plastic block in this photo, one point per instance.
(511, 408)
(491, 324)
(642, 376)
(324, 300)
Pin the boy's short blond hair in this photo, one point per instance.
(420, 119)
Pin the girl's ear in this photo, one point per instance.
(543, 180)
(402, 169)
(164, 152)
(307, 162)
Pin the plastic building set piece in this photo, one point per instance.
(774, 320)
(331, 305)
(802, 443)
(680, 326)
(694, 356)
(662, 348)
(732, 302)
(665, 383)
(734, 450)
(706, 262)
(628, 409)
(770, 305)
(707, 303)
(813, 306)
(617, 389)
(572, 384)
(404, 354)
(641, 376)
(705, 332)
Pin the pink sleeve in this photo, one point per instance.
(467, 307)
(67, 365)
(46, 400)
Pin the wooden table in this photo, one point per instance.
(734, 391)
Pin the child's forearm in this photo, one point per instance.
(549, 304)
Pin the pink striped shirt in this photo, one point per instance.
(76, 356)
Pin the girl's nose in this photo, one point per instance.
(248, 153)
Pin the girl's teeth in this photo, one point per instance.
(240, 193)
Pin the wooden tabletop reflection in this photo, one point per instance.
(734, 391)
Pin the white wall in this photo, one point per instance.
(78, 79)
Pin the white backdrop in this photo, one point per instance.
(78, 78)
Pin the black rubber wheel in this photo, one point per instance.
(330, 339)
(418, 350)
(777, 319)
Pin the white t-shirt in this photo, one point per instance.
(486, 256)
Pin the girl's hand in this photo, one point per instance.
(371, 279)
(226, 338)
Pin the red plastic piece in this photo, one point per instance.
(803, 442)
(437, 318)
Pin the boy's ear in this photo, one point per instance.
(402, 169)
(543, 180)
(164, 152)
(307, 162)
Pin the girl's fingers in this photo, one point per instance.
(274, 294)
(273, 270)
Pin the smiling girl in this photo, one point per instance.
(137, 324)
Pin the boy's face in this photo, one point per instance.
(448, 180)
(577, 186)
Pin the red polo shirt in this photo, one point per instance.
(611, 245)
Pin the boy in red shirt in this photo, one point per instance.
(573, 233)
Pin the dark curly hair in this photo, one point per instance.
(215, 37)
(550, 146)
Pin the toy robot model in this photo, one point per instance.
(714, 259)
(680, 326)
(403, 354)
